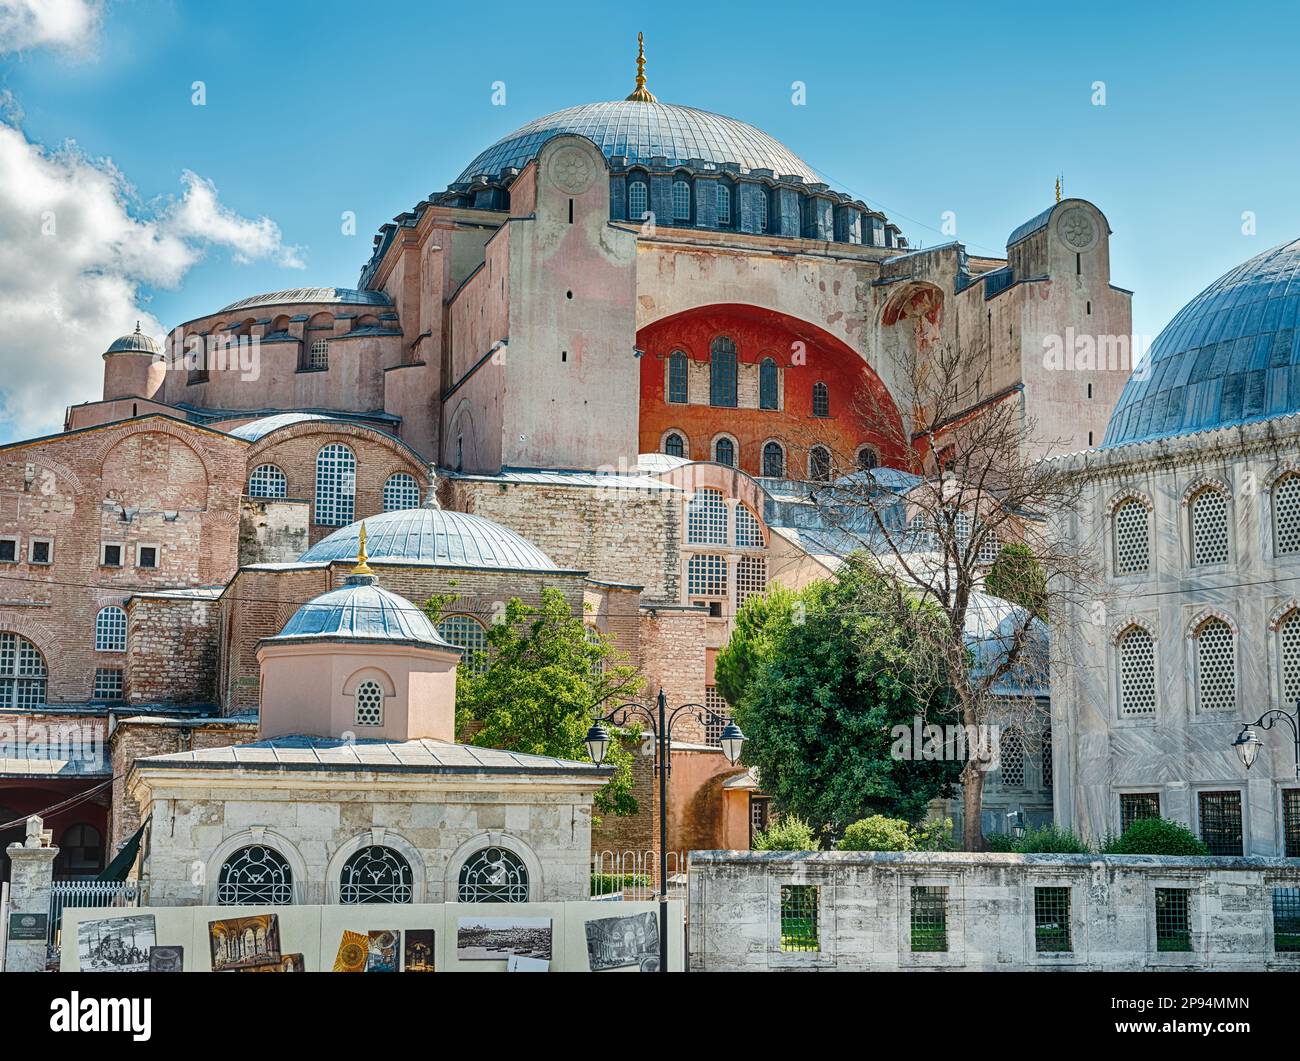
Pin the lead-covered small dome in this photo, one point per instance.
(361, 611)
(134, 343)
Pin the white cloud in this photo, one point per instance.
(76, 250)
(68, 25)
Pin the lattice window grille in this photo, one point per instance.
(1291, 821)
(675, 445)
(1047, 763)
(678, 378)
(1134, 806)
(821, 400)
(1286, 920)
(267, 481)
(1286, 516)
(1137, 674)
(1051, 919)
(370, 704)
(989, 548)
(22, 673)
(255, 876)
(108, 684)
(1209, 527)
(319, 356)
(706, 576)
(773, 461)
(1216, 666)
(929, 918)
(1132, 538)
(336, 485)
(749, 534)
(376, 874)
(799, 917)
(751, 577)
(638, 200)
(401, 491)
(922, 537)
(681, 201)
(1012, 761)
(493, 875)
(706, 518)
(1288, 636)
(713, 726)
(110, 630)
(1173, 920)
(468, 633)
(1221, 822)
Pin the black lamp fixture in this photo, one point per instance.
(1248, 744)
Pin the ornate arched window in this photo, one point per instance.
(370, 704)
(724, 452)
(493, 875)
(464, 631)
(706, 518)
(1288, 643)
(336, 485)
(722, 373)
(678, 378)
(674, 444)
(773, 461)
(267, 481)
(638, 200)
(681, 200)
(763, 204)
(256, 875)
(1011, 760)
(868, 459)
(1286, 515)
(1137, 673)
(749, 533)
(724, 205)
(706, 576)
(821, 400)
(767, 384)
(1216, 666)
(376, 874)
(110, 629)
(22, 672)
(1209, 526)
(819, 464)
(401, 491)
(1132, 537)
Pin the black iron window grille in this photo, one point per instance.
(929, 918)
(1291, 821)
(1221, 822)
(1135, 805)
(1286, 920)
(799, 926)
(255, 876)
(376, 875)
(493, 875)
(1052, 919)
(1173, 920)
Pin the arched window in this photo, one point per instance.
(1011, 764)
(868, 459)
(256, 875)
(336, 485)
(819, 464)
(370, 704)
(749, 533)
(1132, 547)
(267, 481)
(722, 373)
(493, 875)
(81, 851)
(773, 461)
(110, 629)
(681, 200)
(376, 875)
(468, 633)
(706, 518)
(678, 378)
(706, 576)
(767, 379)
(1209, 525)
(22, 672)
(638, 200)
(674, 445)
(1286, 515)
(1137, 673)
(763, 204)
(724, 452)
(821, 400)
(1288, 638)
(401, 491)
(1216, 666)
(724, 205)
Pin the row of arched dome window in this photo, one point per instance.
(336, 486)
(774, 461)
(723, 380)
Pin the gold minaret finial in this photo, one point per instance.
(362, 567)
(641, 94)
(1058, 188)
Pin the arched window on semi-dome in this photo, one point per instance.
(464, 631)
(1288, 648)
(369, 704)
(819, 464)
(1208, 521)
(773, 461)
(706, 518)
(868, 459)
(376, 874)
(767, 384)
(336, 485)
(256, 875)
(1216, 666)
(678, 378)
(1286, 515)
(681, 200)
(23, 673)
(1137, 673)
(638, 200)
(724, 452)
(1131, 532)
(821, 400)
(749, 532)
(110, 629)
(722, 373)
(267, 481)
(401, 491)
(675, 444)
(724, 205)
(493, 875)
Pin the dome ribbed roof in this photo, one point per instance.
(1230, 356)
(362, 611)
(135, 343)
(436, 537)
(640, 131)
(311, 295)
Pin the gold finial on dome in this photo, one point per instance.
(362, 567)
(641, 94)
(1058, 188)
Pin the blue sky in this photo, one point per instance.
(317, 108)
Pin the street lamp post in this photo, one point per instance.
(661, 722)
(1248, 743)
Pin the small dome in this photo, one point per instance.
(435, 537)
(264, 425)
(361, 611)
(135, 343)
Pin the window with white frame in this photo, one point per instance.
(1209, 525)
(751, 577)
(1137, 673)
(108, 685)
(1288, 641)
(267, 481)
(1286, 515)
(1216, 666)
(9, 551)
(110, 629)
(638, 200)
(466, 632)
(674, 444)
(146, 556)
(773, 461)
(41, 551)
(990, 547)
(401, 491)
(724, 452)
(724, 205)
(22, 672)
(706, 576)
(706, 518)
(336, 485)
(749, 533)
(1132, 537)
(681, 201)
(764, 206)
(370, 704)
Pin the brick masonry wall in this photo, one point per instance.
(172, 645)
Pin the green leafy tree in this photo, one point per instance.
(757, 625)
(879, 833)
(787, 833)
(827, 691)
(547, 675)
(1017, 576)
(1155, 836)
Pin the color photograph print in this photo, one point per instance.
(116, 944)
(417, 950)
(240, 943)
(495, 939)
(354, 948)
(620, 942)
(289, 963)
(381, 954)
(166, 959)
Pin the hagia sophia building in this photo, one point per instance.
(609, 358)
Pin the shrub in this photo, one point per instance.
(788, 833)
(1049, 839)
(878, 833)
(1155, 836)
(999, 842)
(610, 883)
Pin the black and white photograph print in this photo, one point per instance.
(489, 939)
(116, 944)
(166, 959)
(619, 942)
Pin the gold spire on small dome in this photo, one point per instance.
(362, 567)
(641, 94)
(1058, 188)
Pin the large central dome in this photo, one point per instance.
(641, 131)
